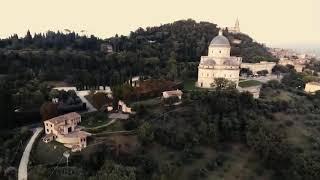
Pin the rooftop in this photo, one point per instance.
(59, 119)
(314, 83)
(174, 93)
(220, 41)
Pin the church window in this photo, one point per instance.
(207, 75)
(220, 52)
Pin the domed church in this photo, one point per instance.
(218, 63)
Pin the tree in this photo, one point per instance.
(145, 133)
(246, 71)
(223, 84)
(294, 80)
(113, 171)
(48, 110)
(172, 67)
(262, 73)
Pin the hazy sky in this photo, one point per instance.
(274, 22)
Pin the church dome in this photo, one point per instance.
(220, 41)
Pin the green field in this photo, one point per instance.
(94, 119)
(48, 153)
(249, 83)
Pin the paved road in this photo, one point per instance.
(81, 95)
(23, 167)
(264, 79)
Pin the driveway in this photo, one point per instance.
(23, 167)
(82, 95)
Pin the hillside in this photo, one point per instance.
(189, 40)
(170, 51)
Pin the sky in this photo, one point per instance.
(273, 22)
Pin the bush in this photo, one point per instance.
(289, 123)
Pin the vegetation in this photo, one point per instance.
(169, 51)
(249, 83)
(11, 149)
(208, 136)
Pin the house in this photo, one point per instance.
(175, 93)
(312, 87)
(124, 108)
(64, 129)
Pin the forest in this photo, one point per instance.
(211, 135)
(170, 51)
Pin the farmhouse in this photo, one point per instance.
(64, 129)
(176, 93)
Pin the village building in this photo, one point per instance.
(64, 129)
(235, 29)
(256, 67)
(312, 87)
(122, 106)
(298, 64)
(218, 63)
(135, 81)
(106, 48)
(176, 93)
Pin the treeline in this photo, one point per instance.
(51, 40)
(189, 40)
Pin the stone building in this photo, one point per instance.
(312, 87)
(175, 93)
(218, 63)
(255, 67)
(298, 64)
(64, 129)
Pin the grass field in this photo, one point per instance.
(48, 153)
(249, 83)
(94, 119)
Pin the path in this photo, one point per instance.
(23, 167)
(102, 126)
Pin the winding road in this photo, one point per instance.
(23, 167)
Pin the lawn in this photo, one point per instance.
(116, 126)
(48, 153)
(94, 119)
(249, 83)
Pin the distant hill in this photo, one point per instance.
(189, 40)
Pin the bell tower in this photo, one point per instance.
(237, 26)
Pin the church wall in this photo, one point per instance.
(255, 67)
(206, 76)
(219, 52)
